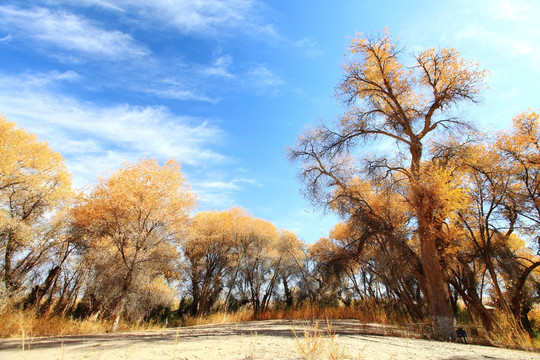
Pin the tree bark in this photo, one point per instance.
(119, 303)
(440, 309)
(437, 294)
(8, 276)
(518, 290)
(288, 294)
(34, 298)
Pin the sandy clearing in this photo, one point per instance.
(247, 341)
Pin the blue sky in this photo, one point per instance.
(226, 86)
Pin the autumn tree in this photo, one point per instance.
(131, 224)
(518, 154)
(486, 241)
(208, 252)
(260, 260)
(387, 100)
(379, 263)
(327, 265)
(482, 227)
(231, 254)
(34, 183)
(48, 259)
(520, 148)
(290, 248)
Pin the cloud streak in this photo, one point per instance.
(104, 137)
(69, 32)
(203, 16)
(263, 79)
(220, 67)
(217, 192)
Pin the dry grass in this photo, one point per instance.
(219, 317)
(17, 323)
(507, 337)
(26, 324)
(318, 344)
(367, 311)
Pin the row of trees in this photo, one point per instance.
(130, 245)
(449, 213)
(127, 245)
(445, 213)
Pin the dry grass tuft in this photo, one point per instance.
(316, 344)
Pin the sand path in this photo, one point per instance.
(248, 341)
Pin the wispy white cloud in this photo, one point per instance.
(172, 89)
(6, 38)
(218, 192)
(221, 185)
(202, 16)
(93, 138)
(220, 67)
(507, 28)
(516, 10)
(66, 31)
(110, 5)
(263, 79)
(309, 47)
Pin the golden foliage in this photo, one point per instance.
(130, 224)
(34, 183)
(33, 179)
(140, 205)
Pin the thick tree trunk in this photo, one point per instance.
(476, 300)
(438, 297)
(414, 310)
(46, 308)
(473, 302)
(437, 294)
(516, 328)
(256, 307)
(440, 309)
(228, 297)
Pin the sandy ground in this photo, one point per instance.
(249, 341)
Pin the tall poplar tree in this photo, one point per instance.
(387, 98)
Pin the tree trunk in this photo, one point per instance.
(438, 299)
(117, 313)
(472, 300)
(288, 294)
(517, 298)
(228, 297)
(39, 291)
(8, 276)
(48, 304)
(440, 309)
(119, 303)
